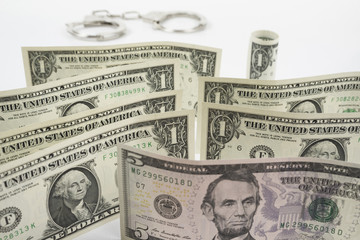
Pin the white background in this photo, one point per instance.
(317, 37)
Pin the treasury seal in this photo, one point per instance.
(323, 210)
(167, 206)
(10, 217)
(261, 151)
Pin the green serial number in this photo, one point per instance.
(114, 154)
(110, 155)
(124, 93)
(143, 145)
(15, 234)
(161, 178)
(312, 227)
(346, 99)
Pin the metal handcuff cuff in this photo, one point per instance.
(103, 18)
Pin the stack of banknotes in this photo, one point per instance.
(129, 132)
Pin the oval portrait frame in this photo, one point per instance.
(86, 103)
(315, 103)
(92, 196)
(339, 146)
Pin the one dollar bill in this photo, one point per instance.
(69, 96)
(288, 198)
(47, 64)
(262, 56)
(18, 143)
(70, 188)
(334, 93)
(230, 132)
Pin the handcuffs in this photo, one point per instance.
(103, 18)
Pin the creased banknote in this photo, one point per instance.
(47, 64)
(70, 188)
(263, 199)
(334, 93)
(24, 106)
(262, 56)
(230, 132)
(17, 143)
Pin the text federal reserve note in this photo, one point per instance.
(230, 132)
(21, 142)
(262, 199)
(334, 93)
(70, 188)
(47, 64)
(57, 99)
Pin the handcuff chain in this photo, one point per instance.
(105, 19)
(129, 15)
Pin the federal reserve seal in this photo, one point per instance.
(261, 151)
(10, 217)
(323, 210)
(167, 206)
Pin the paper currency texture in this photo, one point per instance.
(47, 64)
(334, 93)
(94, 90)
(262, 55)
(18, 143)
(70, 188)
(230, 132)
(262, 199)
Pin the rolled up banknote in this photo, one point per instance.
(289, 198)
(47, 64)
(334, 93)
(262, 55)
(70, 188)
(18, 143)
(45, 102)
(230, 132)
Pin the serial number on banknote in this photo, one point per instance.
(312, 227)
(161, 178)
(18, 232)
(124, 93)
(346, 99)
(114, 154)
